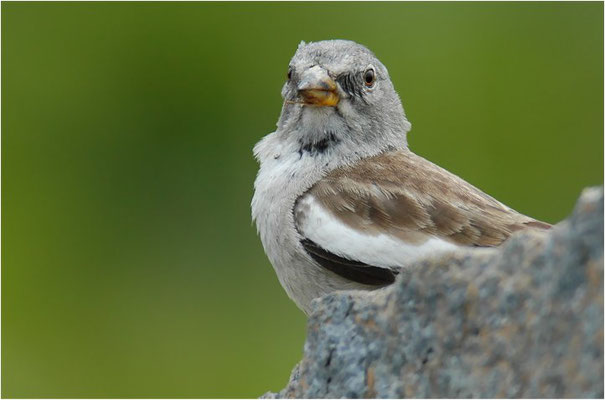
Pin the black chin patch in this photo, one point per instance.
(352, 270)
(319, 147)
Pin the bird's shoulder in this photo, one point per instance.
(408, 197)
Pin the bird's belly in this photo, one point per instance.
(276, 190)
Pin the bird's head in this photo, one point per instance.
(339, 88)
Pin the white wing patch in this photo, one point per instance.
(316, 223)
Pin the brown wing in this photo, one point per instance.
(414, 199)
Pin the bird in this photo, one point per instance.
(340, 201)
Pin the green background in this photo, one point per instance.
(130, 267)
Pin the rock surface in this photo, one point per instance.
(523, 320)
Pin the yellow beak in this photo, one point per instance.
(316, 88)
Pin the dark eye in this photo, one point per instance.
(289, 73)
(369, 77)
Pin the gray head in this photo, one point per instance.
(337, 90)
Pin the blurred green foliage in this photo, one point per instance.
(130, 267)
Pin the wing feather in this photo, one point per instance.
(350, 269)
(411, 198)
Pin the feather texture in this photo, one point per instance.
(403, 195)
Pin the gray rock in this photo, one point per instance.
(523, 320)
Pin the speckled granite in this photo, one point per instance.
(524, 320)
